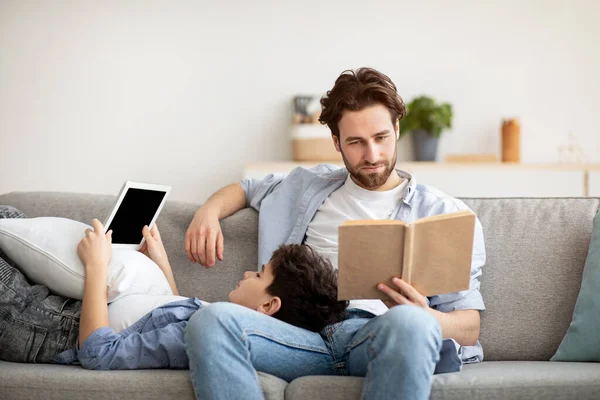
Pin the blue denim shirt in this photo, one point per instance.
(155, 341)
(288, 203)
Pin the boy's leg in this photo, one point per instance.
(396, 353)
(35, 325)
(227, 344)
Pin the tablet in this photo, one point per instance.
(138, 204)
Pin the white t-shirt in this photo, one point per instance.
(351, 202)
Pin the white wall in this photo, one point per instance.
(186, 93)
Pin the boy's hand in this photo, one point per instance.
(153, 247)
(94, 249)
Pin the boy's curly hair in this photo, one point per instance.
(306, 283)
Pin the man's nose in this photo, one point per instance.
(246, 274)
(372, 153)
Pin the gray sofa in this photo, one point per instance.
(536, 250)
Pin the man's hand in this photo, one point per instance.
(403, 293)
(95, 249)
(461, 325)
(204, 238)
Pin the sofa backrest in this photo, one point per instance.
(536, 249)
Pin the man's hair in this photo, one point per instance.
(306, 283)
(356, 90)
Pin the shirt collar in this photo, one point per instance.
(342, 174)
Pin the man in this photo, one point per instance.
(398, 345)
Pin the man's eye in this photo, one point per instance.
(352, 143)
(380, 138)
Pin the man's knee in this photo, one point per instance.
(409, 323)
(210, 322)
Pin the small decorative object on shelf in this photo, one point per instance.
(511, 140)
(311, 141)
(571, 152)
(306, 109)
(425, 120)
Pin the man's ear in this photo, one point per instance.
(397, 127)
(270, 306)
(336, 142)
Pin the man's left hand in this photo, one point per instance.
(402, 293)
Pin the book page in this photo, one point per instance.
(368, 254)
(442, 253)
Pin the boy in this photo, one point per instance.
(287, 288)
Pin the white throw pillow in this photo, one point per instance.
(127, 310)
(45, 250)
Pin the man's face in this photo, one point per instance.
(251, 291)
(368, 145)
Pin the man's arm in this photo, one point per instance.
(226, 201)
(204, 236)
(462, 325)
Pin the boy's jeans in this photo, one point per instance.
(397, 352)
(34, 325)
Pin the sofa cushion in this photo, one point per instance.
(489, 380)
(582, 341)
(536, 250)
(45, 249)
(62, 382)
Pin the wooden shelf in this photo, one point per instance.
(481, 179)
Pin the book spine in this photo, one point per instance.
(407, 263)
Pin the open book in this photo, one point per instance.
(433, 254)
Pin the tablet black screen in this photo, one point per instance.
(136, 210)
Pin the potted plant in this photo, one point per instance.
(425, 120)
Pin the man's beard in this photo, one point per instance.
(371, 180)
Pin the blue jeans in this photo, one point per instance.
(396, 352)
(35, 325)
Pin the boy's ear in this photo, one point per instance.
(270, 306)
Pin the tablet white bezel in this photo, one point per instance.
(136, 185)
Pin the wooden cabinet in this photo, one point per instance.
(484, 179)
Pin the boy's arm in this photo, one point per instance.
(166, 269)
(158, 348)
(94, 309)
(152, 342)
(94, 250)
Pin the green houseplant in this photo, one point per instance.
(425, 120)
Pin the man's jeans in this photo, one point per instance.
(397, 352)
(34, 325)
